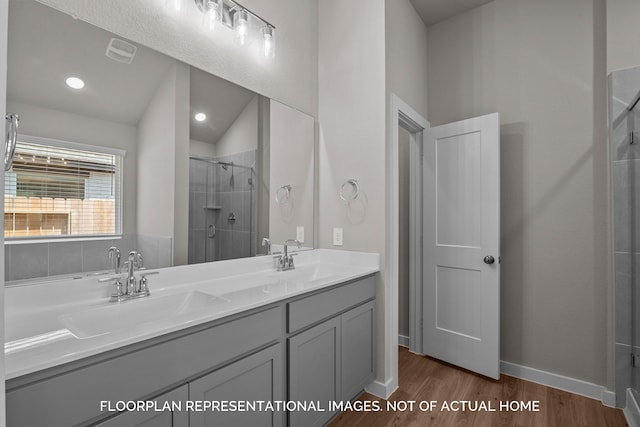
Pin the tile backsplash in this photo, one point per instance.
(32, 260)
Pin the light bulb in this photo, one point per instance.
(177, 5)
(268, 41)
(213, 12)
(74, 82)
(241, 24)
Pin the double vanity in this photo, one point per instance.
(210, 338)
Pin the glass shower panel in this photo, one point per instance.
(222, 202)
(625, 156)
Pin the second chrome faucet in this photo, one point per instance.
(285, 262)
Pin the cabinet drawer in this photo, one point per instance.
(74, 397)
(312, 309)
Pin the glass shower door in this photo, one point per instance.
(624, 110)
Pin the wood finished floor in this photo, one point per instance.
(423, 378)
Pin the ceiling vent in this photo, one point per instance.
(121, 51)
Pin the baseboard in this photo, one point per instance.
(560, 382)
(403, 341)
(609, 398)
(632, 410)
(382, 390)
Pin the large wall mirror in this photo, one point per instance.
(150, 154)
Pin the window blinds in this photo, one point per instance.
(57, 191)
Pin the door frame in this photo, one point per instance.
(402, 114)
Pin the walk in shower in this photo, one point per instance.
(222, 202)
(625, 169)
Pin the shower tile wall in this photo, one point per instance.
(233, 192)
(625, 157)
(229, 192)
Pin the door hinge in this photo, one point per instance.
(633, 360)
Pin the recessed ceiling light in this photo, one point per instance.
(201, 117)
(75, 82)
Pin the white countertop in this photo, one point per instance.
(59, 321)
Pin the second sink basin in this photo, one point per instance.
(130, 314)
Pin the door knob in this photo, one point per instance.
(489, 259)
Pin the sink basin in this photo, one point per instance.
(310, 274)
(131, 314)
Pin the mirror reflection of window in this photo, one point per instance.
(54, 190)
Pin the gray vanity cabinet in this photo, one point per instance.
(317, 347)
(153, 418)
(333, 360)
(358, 343)
(257, 378)
(314, 371)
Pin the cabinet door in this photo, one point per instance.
(152, 418)
(314, 369)
(358, 364)
(256, 378)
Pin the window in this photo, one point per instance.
(62, 189)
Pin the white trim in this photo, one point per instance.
(383, 391)
(400, 111)
(69, 144)
(608, 398)
(560, 382)
(403, 340)
(632, 410)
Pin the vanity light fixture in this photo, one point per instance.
(213, 9)
(241, 24)
(241, 20)
(74, 82)
(201, 117)
(268, 41)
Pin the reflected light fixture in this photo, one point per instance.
(241, 24)
(267, 41)
(214, 12)
(74, 82)
(201, 117)
(241, 20)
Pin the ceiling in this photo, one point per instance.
(220, 100)
(432, 11)
(46, 46)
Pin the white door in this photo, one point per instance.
(461, 270)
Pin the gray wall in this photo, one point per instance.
(163, 168)
(541, 64)
(352, 138)
(406, 77)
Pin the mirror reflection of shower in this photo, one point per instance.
(222, 200)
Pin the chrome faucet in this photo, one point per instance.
(267, 242)
(132, 288)
(114, 256)
(284, 262)
(134, 261)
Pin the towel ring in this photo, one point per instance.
(283, 194)
(353, 194)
